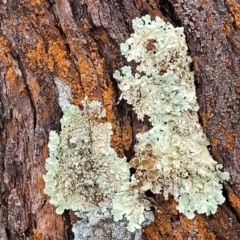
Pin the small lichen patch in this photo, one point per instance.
(11, 72)
(102, 226)
(234, 9)
(37, 235)
(11, 76)
(57, 56)
(35, 88)
(36, 58)
(230, 139)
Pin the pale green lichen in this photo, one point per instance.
(84, 173)
(162, 88)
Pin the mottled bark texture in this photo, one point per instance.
(78, 42)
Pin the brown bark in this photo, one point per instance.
(78, 41)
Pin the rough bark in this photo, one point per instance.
(78, 41)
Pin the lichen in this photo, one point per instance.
(64, 92)
(83, 172)
(162, 88)
(103, 227)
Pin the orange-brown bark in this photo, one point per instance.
(78, 42)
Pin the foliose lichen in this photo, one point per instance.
(172, 157)
(71, 172)
(85, 174)
(101, 226)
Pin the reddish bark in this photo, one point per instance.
(78, 41)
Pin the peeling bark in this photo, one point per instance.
(78, 42)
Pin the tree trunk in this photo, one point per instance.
(77, 41)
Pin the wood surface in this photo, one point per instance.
(78, 42)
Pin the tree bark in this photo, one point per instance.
(78, 42)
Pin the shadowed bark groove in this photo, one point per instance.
(78, 42)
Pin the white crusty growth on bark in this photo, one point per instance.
(103, 226)
(64, 92)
